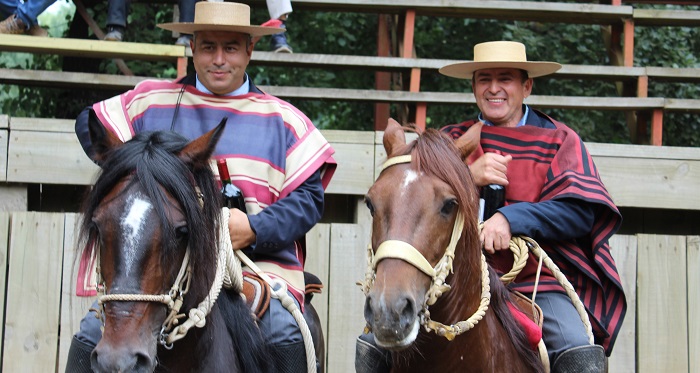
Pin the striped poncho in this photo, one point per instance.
(549, 164)
(271, 148)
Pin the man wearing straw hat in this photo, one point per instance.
(553, 194)
(281, 162)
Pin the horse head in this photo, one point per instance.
(423, 197)
(153, 216)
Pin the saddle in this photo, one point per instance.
(258, 293)
(529, 315)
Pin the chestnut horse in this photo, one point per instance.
(155, 214)
(423, 202)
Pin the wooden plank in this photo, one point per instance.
(348, 262)
(662, 304)
(4, 136)
(681, 75)
(651, 183)
(42, 125)
(33, 292)
(73, 307)
(693, 303)
(65, 79)
(4, 240)
(624, 251)
(666, 17)
(91, 48)
(57, 158)
(505, 10)
(643, 151)
(4, 121)
(354, 172)
(351, 137)
(682, 104)
(318, 252)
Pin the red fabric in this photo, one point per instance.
(86, 282)
(532, 331)
(272, 23)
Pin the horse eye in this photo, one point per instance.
(448, 206)
(181, 232)
(370, 206)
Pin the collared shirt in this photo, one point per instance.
(521, 123)
(243, 89)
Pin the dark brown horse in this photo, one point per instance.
(421, 201)
(154, 207)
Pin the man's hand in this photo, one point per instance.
(496, 233)
(242, 235)
(490, 168)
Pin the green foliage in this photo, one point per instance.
(356, 33)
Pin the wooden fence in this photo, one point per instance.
(661, 332)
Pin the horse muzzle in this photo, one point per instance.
(125, 358)
(394, 321)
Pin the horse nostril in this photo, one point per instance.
(143, 362)
(408, 313)
(369, 314)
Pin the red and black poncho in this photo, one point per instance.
(551, 162)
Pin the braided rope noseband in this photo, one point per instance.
(397, 249)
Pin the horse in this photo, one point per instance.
(154, 214)
(423, 202)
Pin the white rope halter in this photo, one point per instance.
(397, 249)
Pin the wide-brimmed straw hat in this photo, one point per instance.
(499, 55)
(221, 16)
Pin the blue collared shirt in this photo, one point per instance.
(243, 89)
(520, 123)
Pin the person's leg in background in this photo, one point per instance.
(279, 9)
(22, 16)
(117, 11)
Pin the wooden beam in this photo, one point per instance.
(91, 48)
(628, 51)
(657, 127)
(382, 80)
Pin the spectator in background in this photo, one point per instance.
(21, 16)
(279, 10)
(118, 10)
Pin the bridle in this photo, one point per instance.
(402, 250)
(173, 299)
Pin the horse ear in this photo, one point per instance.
(394, 137)
(198, 151)
(469, 141)
(102, 140)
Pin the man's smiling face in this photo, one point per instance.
(500, 93)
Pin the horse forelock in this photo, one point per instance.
(435, 154)
(150, 161)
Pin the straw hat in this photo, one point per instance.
(499, 55)
(221, 16)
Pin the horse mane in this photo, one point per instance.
(151, 160)
(435, 153)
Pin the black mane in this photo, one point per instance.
(151, 160)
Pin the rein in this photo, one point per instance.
(402, 250)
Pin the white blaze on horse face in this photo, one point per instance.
(409, 176)
(132, 223)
